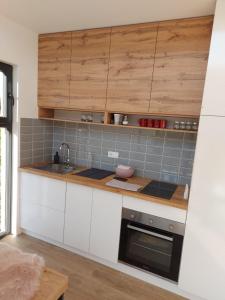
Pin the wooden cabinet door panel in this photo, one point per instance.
(90, 95)
(177, 97)
(180, 66)
(89, 68)
(131, 66)
(184, 36)
(54, 69)
(132, 51)
(128, 95)
(185, 67)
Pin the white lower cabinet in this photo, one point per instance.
(105, 225)
(42, 204)
(78, 216)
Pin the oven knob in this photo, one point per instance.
(171, 227)
(132, 216)
(150, 221)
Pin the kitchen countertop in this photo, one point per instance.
(177, 199)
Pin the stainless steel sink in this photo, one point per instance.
(56, 168)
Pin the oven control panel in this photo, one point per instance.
(154, 221)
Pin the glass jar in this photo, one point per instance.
(188, 125)
(176, 125)
(195, 126)
(182, 125)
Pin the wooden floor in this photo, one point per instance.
(89, 280)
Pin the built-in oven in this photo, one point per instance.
(151, 243)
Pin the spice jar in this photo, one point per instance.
(182, 125)
(188, 125)
(176, 125)
(195, 126)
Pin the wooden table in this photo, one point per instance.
(52, 287)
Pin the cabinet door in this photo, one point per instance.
(180, 66)
(89, 68)
(78, 216)
(54, 69)
(42, 202)
(131, 65)
(43, 191)
(105, 225)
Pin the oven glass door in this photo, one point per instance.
(150, 249)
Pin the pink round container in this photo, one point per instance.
(124, 171)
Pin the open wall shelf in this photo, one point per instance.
(106, 119)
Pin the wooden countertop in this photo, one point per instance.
(52, 286)
(176, 200)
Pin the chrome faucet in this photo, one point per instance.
(66, 153)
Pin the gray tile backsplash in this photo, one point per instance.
(155, 154)
(36, 140)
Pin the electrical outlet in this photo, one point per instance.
(113, 154)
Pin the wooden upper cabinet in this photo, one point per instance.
(89, 69)
(180, 66)
(54, 69)
(132, 54)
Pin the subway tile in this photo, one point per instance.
(169, 177)
(107, 167)
(137, 156)
(59, 124)
(38, 152)
(184, 180)
(154, 150)
(37, 159)
(124, 154)
(26, 145)
(26, 130)
(123, 137)
(38, 144)
(26, 122)
(95, 142)
(154, 158)
(37, 122)
(169, 169)
(122, 146)
(111, 136)
(189, 145)
(121, 161)
(152, 167)
(152, 175)
(140, 132)
(185, 172)
(156, 142)
(139, 139)
(26, 161)
(96, 164)
(138, 148)
(81, 162)
(175, 135)
(26, 138)
(82, 140)
(156, 133)
(107, 160)
(187, 163)
(171, 152)
(109, 144)
(172, 161)
(188, 154)
(173, 143)
(26, 153)
(92, 149)
(190, 137)
(69, 139)
(137, 164)
(138, 172)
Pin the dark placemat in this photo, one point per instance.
(159, 189)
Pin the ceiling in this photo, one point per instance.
(45, 16)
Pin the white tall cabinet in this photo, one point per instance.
(202, 270)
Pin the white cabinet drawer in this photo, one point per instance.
(159, 210)
(42, 220)
(43, 191)
(78, 216)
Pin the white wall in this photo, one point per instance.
(18, 47)
(203, 261)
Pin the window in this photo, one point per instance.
(6, 103)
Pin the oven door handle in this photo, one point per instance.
(150, 233)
